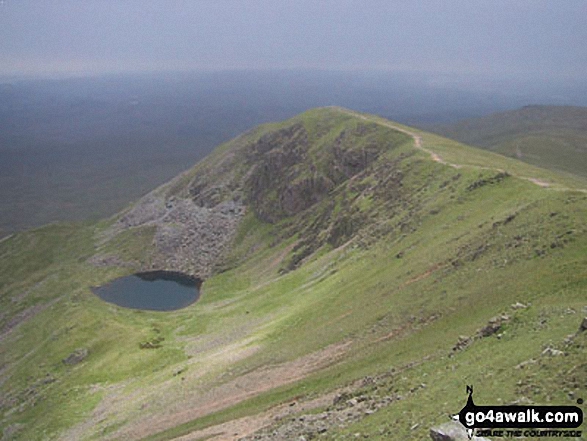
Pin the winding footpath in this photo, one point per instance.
(435, 157)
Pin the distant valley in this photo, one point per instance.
(553, 137)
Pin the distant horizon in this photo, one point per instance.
(526, 39)
(478, 82)
(454, 75)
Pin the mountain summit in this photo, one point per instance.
(308, 175)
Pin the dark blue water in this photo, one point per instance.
(154, 291)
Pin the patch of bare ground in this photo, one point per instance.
(544, 184)
(19, 298)
(117, 402)
(222, 396)
(111, 399)
(422, 276)
(105, 260)
(222, 348)
(236, 429)
(538, 182)
(360, 399)
(3, 378)
(228, 353)
(19, 319)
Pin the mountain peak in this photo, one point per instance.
(275, 172)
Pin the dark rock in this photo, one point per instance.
(274, 186)
(352, 402)
(493, 326)
(76, 357)
(583, 326)
(302, 194)
(490, 329)
(483, 182)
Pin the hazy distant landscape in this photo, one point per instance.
(553, 137)
(83, 148)
(272, 220)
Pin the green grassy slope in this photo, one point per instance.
(374, 283)
(553, 137)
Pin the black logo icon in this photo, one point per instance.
(517, 417)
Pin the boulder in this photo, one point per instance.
(519, 305)
(551, 352)
(493, 326)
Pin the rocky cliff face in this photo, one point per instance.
(276, 160)
(276, 173)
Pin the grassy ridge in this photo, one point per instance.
(434, 253)
(552, 137)
(368, 297)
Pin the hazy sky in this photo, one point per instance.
(496, 37)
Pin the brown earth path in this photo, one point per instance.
(435, 157)
(233, 392)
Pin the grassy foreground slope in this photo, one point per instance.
(361, 281)
(553, 137)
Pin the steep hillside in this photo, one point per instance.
(553, 137)
(357, 274)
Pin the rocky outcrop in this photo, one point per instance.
(344, 411)
(275, 173)
(346, 161)
(189, 238)
(193, 239)
(286, 178)
(274, 186)
(289, 139)
(148, 210)
(302, 194)
(492, 327)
